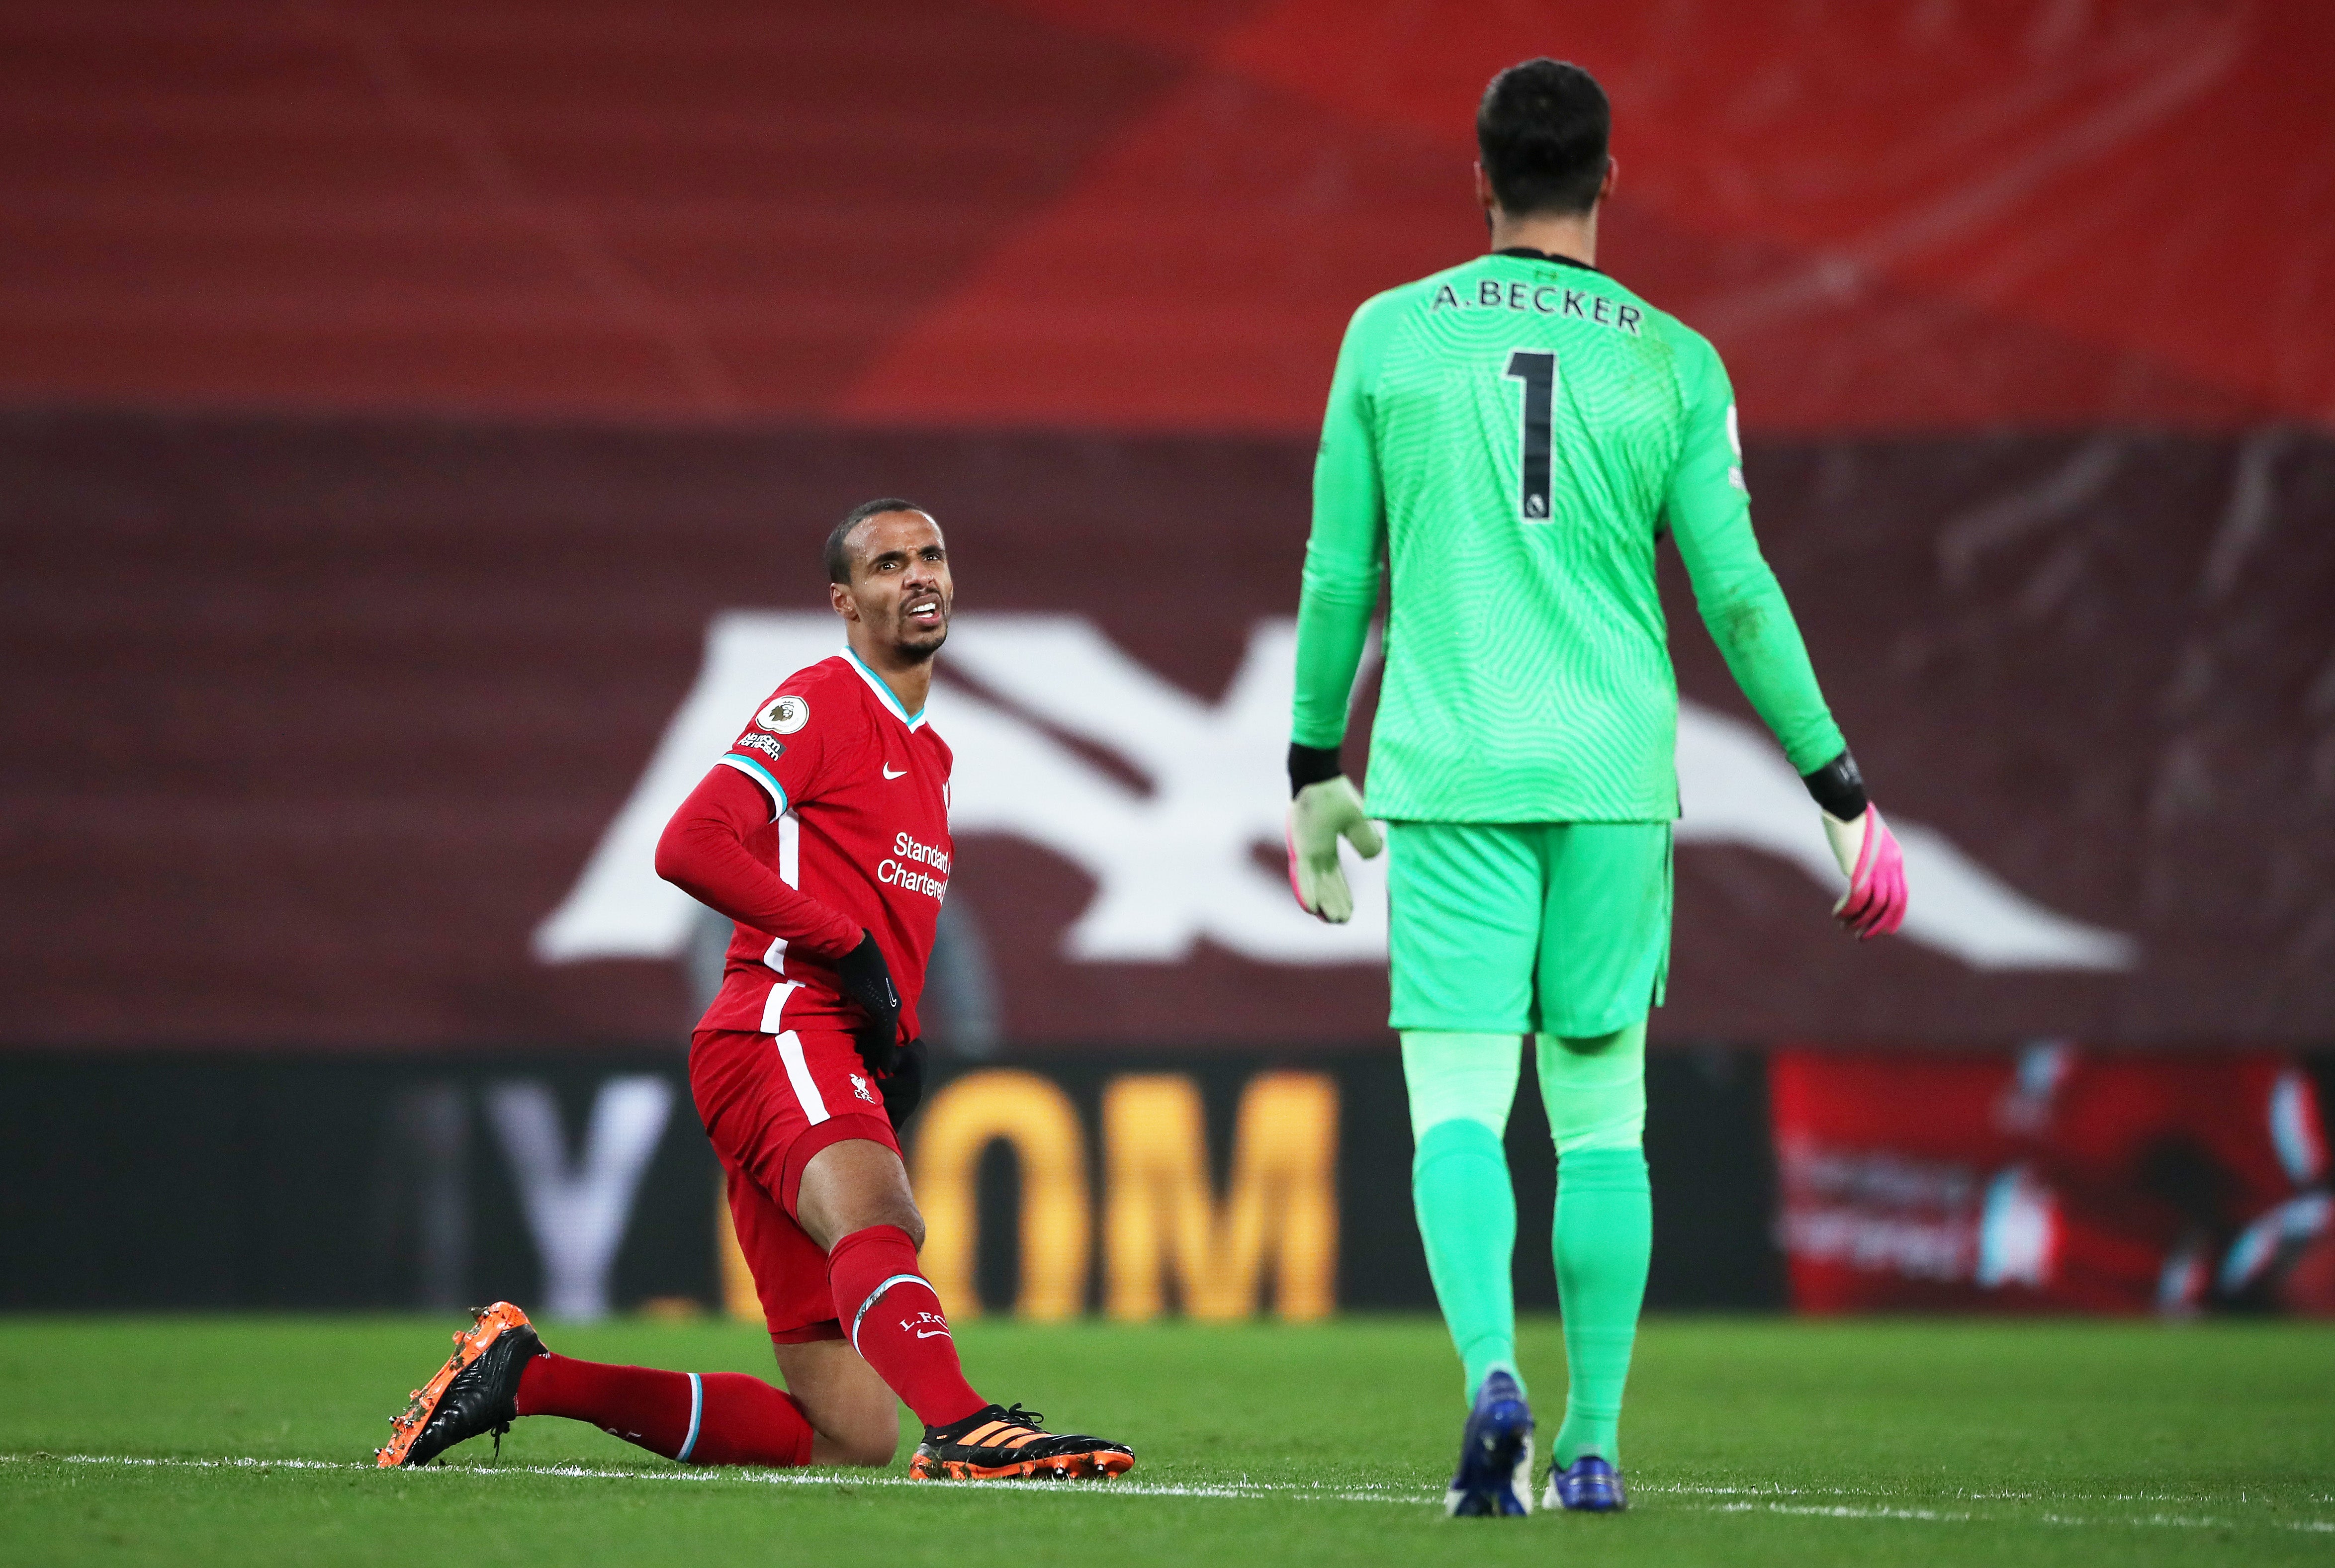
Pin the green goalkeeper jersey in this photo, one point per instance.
(1510, 436)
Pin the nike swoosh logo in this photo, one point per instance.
(889, 774)
(932, 1333)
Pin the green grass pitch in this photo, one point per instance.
(243, 1440)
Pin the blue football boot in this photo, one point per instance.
(1496, 1454)
(1589, 1485)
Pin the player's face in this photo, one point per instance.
(900, 586)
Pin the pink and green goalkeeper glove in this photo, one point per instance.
(1874, 903)
(1319, 817)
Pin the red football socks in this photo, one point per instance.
(728, 1418)
(698, 1419)
(895, 1322)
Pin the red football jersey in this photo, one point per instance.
(858, 788)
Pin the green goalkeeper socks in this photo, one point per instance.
(1605, 1235)
(1467, 1219)
(1461, 1087)
(1595, 1090)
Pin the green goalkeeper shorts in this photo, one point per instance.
(1525, 928)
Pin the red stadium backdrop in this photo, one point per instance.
(2056, 1180)
(418, 421)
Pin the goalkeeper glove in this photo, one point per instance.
(1874, 903)
(865, 979)
(1320, 816)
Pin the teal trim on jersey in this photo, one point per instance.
(760, 775)
(1504, 443)
(875, 680)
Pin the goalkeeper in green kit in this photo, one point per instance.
(1508, 438)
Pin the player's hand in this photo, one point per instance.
(903, 1088)
(1874, 903)
(1320, 816)
(867, 983)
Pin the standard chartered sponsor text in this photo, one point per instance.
(908, 848)
(892, 874)
(896, 871)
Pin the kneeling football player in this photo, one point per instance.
(823, 833)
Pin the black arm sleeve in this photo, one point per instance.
(1838, 787)
(1311, 765)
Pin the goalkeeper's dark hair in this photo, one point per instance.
(839, 537)
(1542, 130)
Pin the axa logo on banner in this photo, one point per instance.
(1177, 864)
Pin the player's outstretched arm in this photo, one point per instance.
(1709, 511)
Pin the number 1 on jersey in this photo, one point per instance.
(1536, 369)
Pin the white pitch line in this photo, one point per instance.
(1246, 1491)
(1254, 1490)
(1691, 1489)
(1832, 1510)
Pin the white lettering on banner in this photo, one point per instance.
(1179, 864)
(578, 1212)
(1882, 1212)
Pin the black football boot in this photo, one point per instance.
(996, 1444)
(476, 1391)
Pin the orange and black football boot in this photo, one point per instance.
(474, 1392)
(997, 1444)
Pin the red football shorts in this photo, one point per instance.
(769, 1103)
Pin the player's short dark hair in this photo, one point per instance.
(1542, 130)
(839, 538)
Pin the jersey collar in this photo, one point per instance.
(914, 720)
(1529, 254)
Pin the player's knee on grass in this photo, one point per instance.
(865, 1435)
(872, 1447)
(1594, 1087)
(854, 1186)
(854, 1418)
